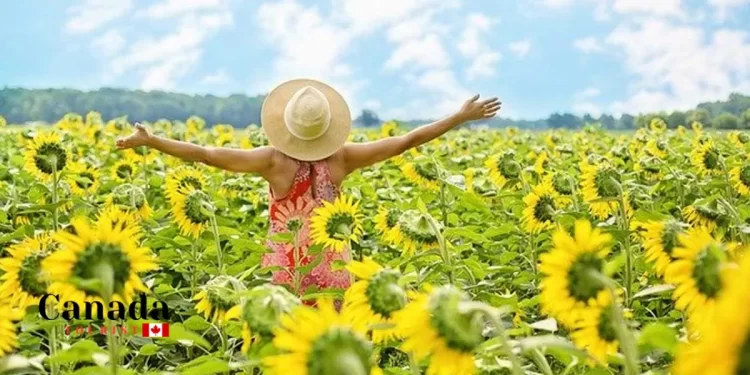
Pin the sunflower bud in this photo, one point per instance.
(385, 294)
(459, 328)
(340, 352)
(264, 307)
(417, 231)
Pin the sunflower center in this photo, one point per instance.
(745, 175)
(97, 254)
(581, 284)
(562, 184)
(384, 294)
(606, 183)
(49, 155)
(510, 168)
(124, 171)
(606, 326)
(339, 224)
(29, 275)
(461, 332)
(544, 208)
(669, 236)
(339, 352)
(84, 180)
(743, 367)
(426, 171)
(711, 159)
(706, 271)
(194, 207)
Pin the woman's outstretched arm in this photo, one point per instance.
(258, 160)
(360, 155)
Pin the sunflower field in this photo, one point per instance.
(483, 252)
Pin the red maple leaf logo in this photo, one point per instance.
(155, 329)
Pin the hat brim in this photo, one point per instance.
(272, 120)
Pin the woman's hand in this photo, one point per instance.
(477, 110)
(140, 137)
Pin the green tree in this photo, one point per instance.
(676, 119)
(699, 115)
(726, 120)
(745, 119)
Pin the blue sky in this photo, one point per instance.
(403, 58)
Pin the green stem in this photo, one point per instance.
(443, 206)
(413, 365)
(444, 253)
(625, 337)
(296, 255)
(194, 274)
(492, 315)
(625, 225)
(54, 368)
(54, 195)
(541, 362)
(106, 274)
(219, 255)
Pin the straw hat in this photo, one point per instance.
(306, 119)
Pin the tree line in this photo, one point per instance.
(20, 105)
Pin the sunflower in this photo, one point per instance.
(660, 240)
(321, 342)
(705, 158)
(224, 139)
(182, 178)
(22, 282)
(422, 173)
(595, 332)
(117, 217)
(657, 125)
(563, 184)
(724, 345)
(8, 317)
(189, 210)
(417, 232)
(388, 129)
(541, 164)
(697, 128)
(702, 216)
(740, 178)
(131, 199)
(739, 139)
(375, 297)
(124, 170)
(568, 288)
(504, 170)
(400, 160)
(387, 223)
(336, 225)
(83, 179)
(599, 181)
(434, 326)
(216, 300)
(84, 253)
(648, 168)
(262, 311)
(541, 203)
(46, 154)
(469, 174)
(696, 273)
(656, 148)
(141, 154)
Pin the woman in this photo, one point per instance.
(307, 123)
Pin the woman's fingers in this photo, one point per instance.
(489, 101)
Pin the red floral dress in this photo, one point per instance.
(312, 185)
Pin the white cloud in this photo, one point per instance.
(373, 104)
(588, 45)
(484, 65)
(109, 43)
(520, 48)
(472, 46)
(217, 78)
(90, 15)
(723, 7)
(658, 8)
(164, 60)
(365, 16)
(678, 66)
(425, 52)
(171, 8)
